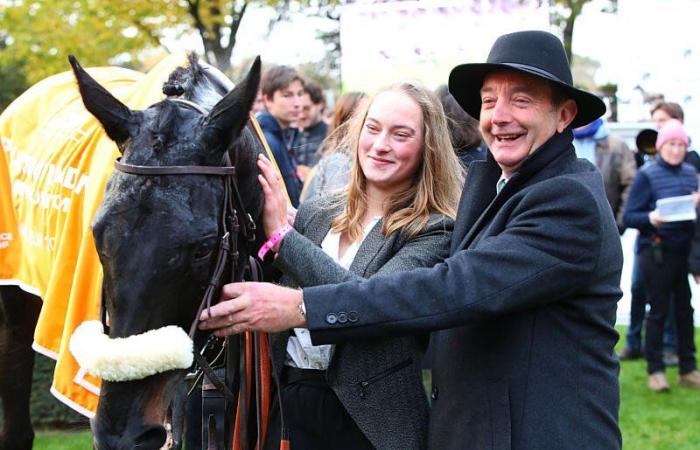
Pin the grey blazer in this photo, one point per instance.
(379, 381)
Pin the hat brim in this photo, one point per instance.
(646, 141)
(466, 81)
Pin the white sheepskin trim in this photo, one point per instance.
(131, 358)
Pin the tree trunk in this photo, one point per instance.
(215, 52)
(575, 7)
(568, 37)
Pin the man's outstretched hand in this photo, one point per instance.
(254, 307)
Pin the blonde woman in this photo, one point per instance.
(333, 169)
(397, 214)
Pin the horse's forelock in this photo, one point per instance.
(197, 83)
(182, 80)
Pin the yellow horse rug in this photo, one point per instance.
(55, 160)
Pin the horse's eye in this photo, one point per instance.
(173, 260)
(203, 252)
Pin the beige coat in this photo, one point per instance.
(616, 163)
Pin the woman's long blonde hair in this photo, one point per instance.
(437, 182)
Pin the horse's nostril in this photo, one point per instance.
(151, 438)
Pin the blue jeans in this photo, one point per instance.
(638, 313)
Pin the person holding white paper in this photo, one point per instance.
(663, 247)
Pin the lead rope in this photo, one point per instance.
(255, 267)
(256, 275)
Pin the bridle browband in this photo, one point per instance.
(174, 170)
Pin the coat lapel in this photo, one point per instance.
(486, 204)
(370, 247)
(476, 196)
(320, 225)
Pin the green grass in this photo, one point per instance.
(649, 421)
(63, 440)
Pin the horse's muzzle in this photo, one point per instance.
(145, 437)
(132, 415)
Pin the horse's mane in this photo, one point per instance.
(198, 82)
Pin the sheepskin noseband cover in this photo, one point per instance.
(132, 358)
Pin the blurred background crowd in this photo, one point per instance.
(323, 57)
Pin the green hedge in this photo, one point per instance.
(47, 410)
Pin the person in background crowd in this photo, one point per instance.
(646, 146)
(312, 130)
(258, 105)
(464, 129)
(282, 89)
(526, 302)
(663, 249)
(369, 393)
(660, 114)
(664, 111)
(333, 169)
(694, 258)
(614, 160)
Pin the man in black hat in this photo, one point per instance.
(526, 302)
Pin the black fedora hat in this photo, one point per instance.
(536, 53)
(646, 141)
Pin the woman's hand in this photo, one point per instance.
(276, 213)
(696, 198)
(655, 219)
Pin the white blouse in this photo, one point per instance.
(300, 352)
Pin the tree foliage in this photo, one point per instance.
(217, 21)
(41, 33)
(13, 81)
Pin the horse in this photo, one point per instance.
(19, 311)
(184, 189)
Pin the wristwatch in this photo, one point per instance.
(302, 308)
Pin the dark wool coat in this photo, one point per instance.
(526, 304)
(378, 381)
(274, 135)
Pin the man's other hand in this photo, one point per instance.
(254, 307)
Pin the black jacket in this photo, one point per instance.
(527, 304)
(283, 157)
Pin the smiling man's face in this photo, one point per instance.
(518, 115)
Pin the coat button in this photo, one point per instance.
(342, 317)
(331, 318)
(352, 316)
(434, 393)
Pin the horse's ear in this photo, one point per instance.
(118, 121)
(229, 116)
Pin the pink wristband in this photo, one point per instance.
(274, 239)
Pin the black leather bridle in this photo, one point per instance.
(235, 222)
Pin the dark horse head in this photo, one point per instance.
(157, 236)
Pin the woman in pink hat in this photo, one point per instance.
(663, 247)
